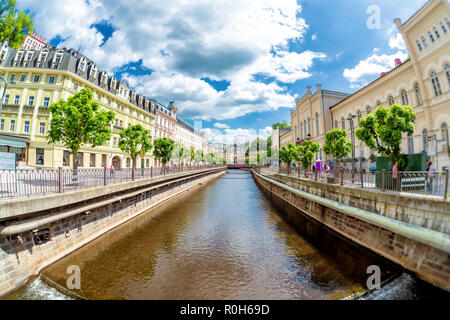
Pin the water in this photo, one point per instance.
(224, 240)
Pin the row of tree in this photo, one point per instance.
(80, 121)
(381, 131)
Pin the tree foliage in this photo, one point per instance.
(282, 125)
(289, 154)
(135, 140)
(199, 156)
(79, 121)
(162, 149)
(336, 144)
(180, 152)
(307, 152)
(15, 25)
(383, 130)
(210, 158)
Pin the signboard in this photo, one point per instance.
(7, 161)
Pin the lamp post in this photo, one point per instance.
(352, 130)
(4, 90)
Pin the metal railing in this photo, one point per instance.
(31, 183)
(418, 182)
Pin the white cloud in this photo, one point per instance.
(368, 69)
(221, 125)
(239, 135)
(397, 42)
(314, 37)
(232, 40)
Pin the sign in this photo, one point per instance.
(142, 155)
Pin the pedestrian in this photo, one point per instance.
(430, 175)
(111, 171)
(395, 175)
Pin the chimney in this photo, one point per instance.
(398, 62)
(308, 90)
(319, 87)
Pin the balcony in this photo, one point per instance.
(28, 110)
(10, 108)
(44, 110)
(117, 129)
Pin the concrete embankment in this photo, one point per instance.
(39, 231)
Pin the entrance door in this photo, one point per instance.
(116, 162)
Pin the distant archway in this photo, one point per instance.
(116, 162)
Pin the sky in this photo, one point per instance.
(237, 65)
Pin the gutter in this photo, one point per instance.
(433, 238)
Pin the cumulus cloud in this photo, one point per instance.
(367, 70)
(221, 125)
(185, 41)
(238, 135)
(397, 42)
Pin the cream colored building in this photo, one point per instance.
(286, 138)
(423, 81)
(45, 76)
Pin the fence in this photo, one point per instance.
(419, 182)
(30, 183)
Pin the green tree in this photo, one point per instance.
(135, 141)
(199, 156)
(383, 130)
(15, 25)
(224, 161)
(336, 144)
(192, 154)
(210, 158)
(247, 155)
(307, 152)
(162, 149)
(289, 154)
(282, 125)
(79, 121)
(269, 146)
(180, 152)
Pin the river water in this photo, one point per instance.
(223, 240)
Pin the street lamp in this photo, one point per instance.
(4, 90)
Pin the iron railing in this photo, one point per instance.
(31, 183)
(418, 182)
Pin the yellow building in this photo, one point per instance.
(285, 138)
(423, 81)
(42, 77)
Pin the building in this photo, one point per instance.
(276, 137)
(34, 41)
(286, 138)
(45, 76)
(311, 118)
(422, 81)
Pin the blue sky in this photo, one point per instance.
(235, 64)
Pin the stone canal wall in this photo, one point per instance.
(412, 232)
(37, 232)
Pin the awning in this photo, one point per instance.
(12, 143)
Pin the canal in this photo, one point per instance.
(222, 240)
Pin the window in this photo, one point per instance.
(435, 84)
(436, 33)
(391, 100)
(92, 160)
(36, 78)
(301, 130)
(147, 163)
(22, 78)
(419, 45)
(66, 158)
(343, 123)
(30, 100)
(16, 100)
(2, 124)
(128, 162)
(358, 116)
(425, 140)
(431, 36)
(26, 127)
(51, 79)
(12, 77)
(103, 160)
(336, 124)
(418, 94)
(117, 122)
(42, 128)
(121, 123)
(378, 103)
(447, 72)
(46, 101)
(405, 100)
(6, 99)
(80, 159)
(309, 126)
(317, 124)
(424, 42)
(12, 125)
(447, 22)
(40, 156)
(410, 144)
(115, 142)
(444, 131)
(304, 129)
(369, 110)
(108, 101)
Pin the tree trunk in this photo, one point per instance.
(133, 168)
(75, 166)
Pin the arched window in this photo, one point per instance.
(317, 124)
(304, 129)
(447, 72)
(424, 42)
(301, 130)
(296, 133)
(418, 94)
(405, 100)
(343, 123)
(410, 144)
(436, 33)
(431, 36)
(309, 126)
(443, 28)
(419, 45)
(369, 110)
(447, 22)
(425, 140)
(391, 100)
(358, 116)
(435, 83)
(444, 132)
(336, 125)
(378, 103)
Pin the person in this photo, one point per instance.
(395, 175)
(430, 175)
(111, 171)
